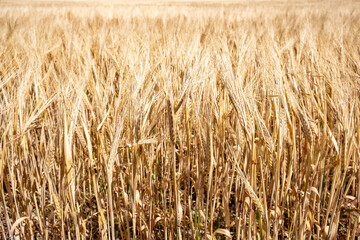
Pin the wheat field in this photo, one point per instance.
(180, 120)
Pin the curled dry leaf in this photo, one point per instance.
(16, 223)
